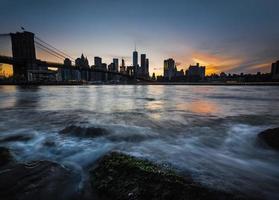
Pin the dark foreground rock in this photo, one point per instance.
(119, 176)
(5, 156)
(42, 180)
(270, 137)
(12, 138)
(84, 131)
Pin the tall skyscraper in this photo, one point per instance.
(169, 68)
(116, 65)
(147, 68)
(135, 58)
(142, 60)
(135, 63)
(122, 67)
(142, 64)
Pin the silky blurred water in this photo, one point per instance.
(207, 131)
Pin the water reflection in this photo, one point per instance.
(19, 96)
(200, 107)
(7, 88)
(7, 99)
(27, 97)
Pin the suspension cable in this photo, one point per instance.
(54, 52)
(46, 50)
(59, 51)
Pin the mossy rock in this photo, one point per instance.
(119, 176)
(5, 156)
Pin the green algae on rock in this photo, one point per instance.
(120, 176)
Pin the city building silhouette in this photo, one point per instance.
(275, 70)
(195, 72)
(169, 69)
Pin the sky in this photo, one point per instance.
(227, 36)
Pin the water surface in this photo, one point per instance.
(207, 131)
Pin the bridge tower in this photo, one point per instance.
(23, 48)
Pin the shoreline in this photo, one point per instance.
(114, 175)
(155, 83)
(215, 83)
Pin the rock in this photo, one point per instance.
(38, 180)
(84, 132)
(17, 137)
(5, 156)
(49, 143)
(270, 137)
(119, 176)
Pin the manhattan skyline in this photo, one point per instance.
(225, 36)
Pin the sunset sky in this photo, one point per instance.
(232, 36)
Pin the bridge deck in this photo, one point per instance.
(13, 61)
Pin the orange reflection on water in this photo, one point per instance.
(10, 100)
(200, 107)
(154, 105)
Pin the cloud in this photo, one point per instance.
(178, 64)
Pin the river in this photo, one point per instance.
(207, 131)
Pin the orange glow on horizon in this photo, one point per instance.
(6, 70)
(215, 64)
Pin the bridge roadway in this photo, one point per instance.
(12, 61)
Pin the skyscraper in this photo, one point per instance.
(82, 62)
(135, 58)
(97, 61)
(122, 67)
(115, 64)
(142, 64)
(98, 76)
(169, 68)
(135, 62)
(275, 70)
(147, 68)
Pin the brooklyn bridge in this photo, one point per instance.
(28, 68)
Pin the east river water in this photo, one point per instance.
(209, 132)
